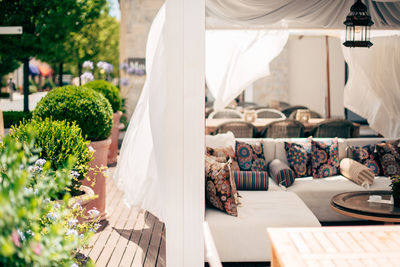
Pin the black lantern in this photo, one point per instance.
(358, 26)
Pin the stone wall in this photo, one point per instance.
(136, 19)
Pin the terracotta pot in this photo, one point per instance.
(113, 152)
(97, 165)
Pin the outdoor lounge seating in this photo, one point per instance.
(284, 128)
(270, 113)
(333, 128)
(226, 113)
(241, 129)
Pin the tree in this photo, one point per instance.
(46, 24)
(7, 64)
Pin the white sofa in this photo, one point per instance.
(306, 203)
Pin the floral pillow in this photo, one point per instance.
(298, 156)
(224, 152)
(250, 157)
(325, 158)
(366, 155)
(389, 157)
(221, 190)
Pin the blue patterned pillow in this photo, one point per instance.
(366, 155)
(325, 158)
(250, 157)
(251, 180)
(299, 157)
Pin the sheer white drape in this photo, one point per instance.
(137, 172)
(237, 58)
(373, 87)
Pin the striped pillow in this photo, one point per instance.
(356, 172)
(281, 173)
(251, 180)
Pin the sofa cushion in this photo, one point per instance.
(357, 172)
(317, 193)
(298, 156)
(268, 145)
(220, 187)
(221, 140)
(224, 152)
(244, 238)
(281, 173)
(366, 155)
(325, 158)
(250, 157)
(389, 157)
(251, 180)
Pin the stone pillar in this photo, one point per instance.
(136, 19)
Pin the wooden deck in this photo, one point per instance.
(130, 236)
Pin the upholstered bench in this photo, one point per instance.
(244, 238)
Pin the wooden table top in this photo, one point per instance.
(355, 204)
(335, 246)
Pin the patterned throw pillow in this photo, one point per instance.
(366, 155)
(251, 180)
(389, 157)
(250, 157)
(225, 152)
(299, 157)
(281, 173)
(325, 158)
(220, 188)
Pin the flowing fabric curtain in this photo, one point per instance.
(373, 87)
(237, 58)
(139, 165)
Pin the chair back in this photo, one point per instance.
(313, 114)
(225, 113)
(287, 128)
(240, 129)
(270, 113)
(333, 128)
(287, 111)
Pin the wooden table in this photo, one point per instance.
(212, 124)
(335, 246)
(355, 204)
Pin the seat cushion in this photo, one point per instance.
(317, 193)
(244, 238)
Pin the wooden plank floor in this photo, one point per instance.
(130, 236)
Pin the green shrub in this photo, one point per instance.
(109, 91)
(58, 141)
(4, 95)
(25, 238)
(15, 117)
(89, 109)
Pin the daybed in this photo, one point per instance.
(306, 203)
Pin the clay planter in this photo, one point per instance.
(113, 152)
(97, 167)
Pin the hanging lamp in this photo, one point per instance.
(358, 26)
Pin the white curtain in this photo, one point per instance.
(138, 169)
(237, 58)
(373, 87)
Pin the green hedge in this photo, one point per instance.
(59, 141)
(89, 109)
(15, 117)
(109, 91)
(4, 95)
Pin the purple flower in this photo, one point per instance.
(94, 213)
(87, 77)
(40, 162)
(51, 216)
(88, 64)
(75, 174)
(131, 71)
(124, 66)
(124, 82)
(72, 232)
(107, 67)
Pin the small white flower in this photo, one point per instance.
(46, 201)
(40, 162)
(21, 235)
(87, 64)
(71, 232)
(56, 206)
(87, 77)
(75, 174)
(77, 206)
(94, 213)
(74, 265)
(91, 149)
(72, 222)
(51, 216)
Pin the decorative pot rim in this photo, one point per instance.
(100, 143)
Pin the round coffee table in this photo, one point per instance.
(355, 204)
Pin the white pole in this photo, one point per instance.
(184, 152)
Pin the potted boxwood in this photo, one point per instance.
(114, 97)
(92, 112)
(58, 141)
(395, 185)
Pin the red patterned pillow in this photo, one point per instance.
(298, 156)
(220, 186)
(250, 157)
(325, 158)
(389, 157)
(251, 180)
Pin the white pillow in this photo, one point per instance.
(221, 140)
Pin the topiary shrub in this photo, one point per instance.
(109, 91)
(15, 117)
(59, 141)
(89, 109)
